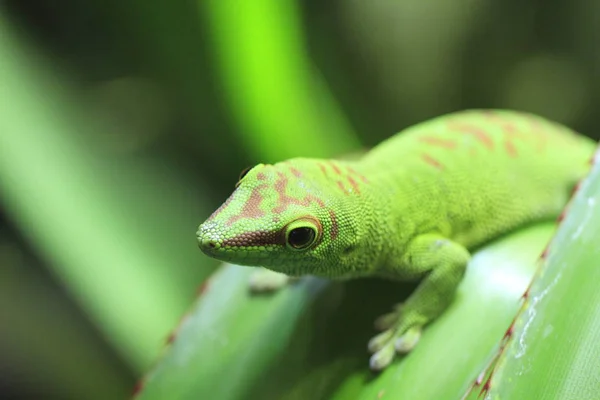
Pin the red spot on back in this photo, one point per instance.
(323, 169)
(342, 188)
(354, 185)
(510, 148)
(431, 161)
(251, 208)
(474, 131)
(284, 200)
(334, 225)
(512, 133)
(260, 176)
(336, 169)
(439, 142)
(359, 176)
(296, 172)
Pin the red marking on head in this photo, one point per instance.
(473, 130)
(439, 142)
(334, 225)
(284, 200)
(296, 172)
(260, 176)
(251, 208)
(431, 161)
(511, 133)
(137, 388)
(354, 185)
(336, 169)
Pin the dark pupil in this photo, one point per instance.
(301, 237)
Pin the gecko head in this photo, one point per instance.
(282, 218)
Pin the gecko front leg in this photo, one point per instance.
(443, 263)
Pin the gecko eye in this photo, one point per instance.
(302, 234)
(300, 238)
(242, 175)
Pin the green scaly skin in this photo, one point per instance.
(410, 209)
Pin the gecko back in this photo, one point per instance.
(473, 175)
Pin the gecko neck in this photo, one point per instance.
(380, 237)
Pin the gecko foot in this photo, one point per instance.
(264, 280)
(386, 321)
(401, 334)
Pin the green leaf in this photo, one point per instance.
(87, 211)
(270, 83)
(554, 352)
(309, 341)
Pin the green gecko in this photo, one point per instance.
(412, 208)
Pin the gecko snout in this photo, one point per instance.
(207, 241)
(208, 246)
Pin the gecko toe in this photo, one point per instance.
(382, 358)
(408, 340)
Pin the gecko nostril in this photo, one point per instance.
(211, 244)
(208, 243)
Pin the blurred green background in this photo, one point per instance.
(124, 124)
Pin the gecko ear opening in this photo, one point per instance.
(302, 234)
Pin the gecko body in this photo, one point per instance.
(412, 208)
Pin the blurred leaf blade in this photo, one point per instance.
(554, 352)
(310, 341)
(34, 307)
(68, 199)
(282, 107)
